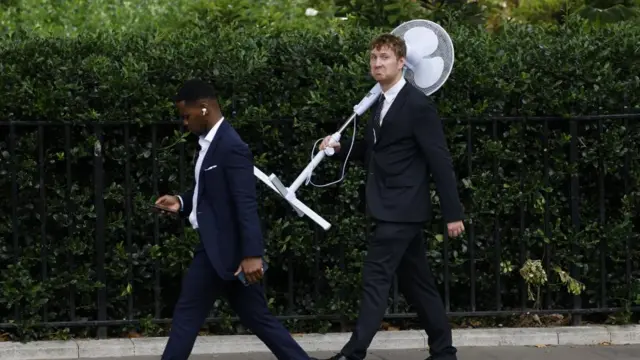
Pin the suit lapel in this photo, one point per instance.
(210, 155)
(395, 107)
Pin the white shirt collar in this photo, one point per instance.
(209, 137)
(395, 89)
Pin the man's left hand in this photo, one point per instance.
(252, 268)
(455, 228)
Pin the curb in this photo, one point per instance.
(384, 340)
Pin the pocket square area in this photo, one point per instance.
(211, 167)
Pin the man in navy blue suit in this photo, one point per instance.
(222, 207)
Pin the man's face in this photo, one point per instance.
(192, 118)
(385, 66)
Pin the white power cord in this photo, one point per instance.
(344, 166)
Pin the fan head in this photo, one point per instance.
(429, 54)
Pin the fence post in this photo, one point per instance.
(15, 224)
(575, 213)
(98, 180)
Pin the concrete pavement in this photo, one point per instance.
(561, 343)
(619, 352)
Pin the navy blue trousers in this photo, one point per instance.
(200, 288)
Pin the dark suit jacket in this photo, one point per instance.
(228, 220)
(410, 147)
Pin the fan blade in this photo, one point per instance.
(421, 41)
(428, 72)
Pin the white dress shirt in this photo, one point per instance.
(390, 95)
(204, 142)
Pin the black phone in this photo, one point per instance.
(244, 280)
(162, 209)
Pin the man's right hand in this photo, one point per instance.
(170, 202)
(325, 144)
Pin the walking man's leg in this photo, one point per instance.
(384, 253)
(418, 285)
(200, 287)
(251, 306)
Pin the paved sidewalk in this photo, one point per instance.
(559, 343)
(620, 352)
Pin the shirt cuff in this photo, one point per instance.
(181, 202)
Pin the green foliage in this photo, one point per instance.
(558, 11)
(282, 91)
(74, 17)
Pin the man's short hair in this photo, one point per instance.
(194, 90)
(395, 43)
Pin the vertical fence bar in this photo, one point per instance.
(98, 180)
(290, 285)
(156, 220)
(547, 229)
(70, 212)
(343, 295)
(601, 205)
(14, 204)
(575, 211)
(128, 214)
(317, 240)
(626, 176)
(472, 240)
(496, 227)
(43, 215)
(523, 249)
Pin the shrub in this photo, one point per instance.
(71, 18)
(282, 92)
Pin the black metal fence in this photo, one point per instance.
(67, 136)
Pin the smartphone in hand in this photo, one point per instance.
(244, 280)
(162, 209)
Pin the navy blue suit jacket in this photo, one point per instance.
(227, 210)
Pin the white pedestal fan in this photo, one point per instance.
(429, 61)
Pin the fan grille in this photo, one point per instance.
(444, 50)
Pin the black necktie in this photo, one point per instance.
(376, 119)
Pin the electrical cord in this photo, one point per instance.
(344, 166)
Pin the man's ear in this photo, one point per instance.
(204, 108)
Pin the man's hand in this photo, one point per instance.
(325, 144)
(170, 202)
(455, 228)
(252, 268)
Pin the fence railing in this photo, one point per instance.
(58, 181)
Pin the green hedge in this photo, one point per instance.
(283, 91)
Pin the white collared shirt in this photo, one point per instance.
(204, 147)
(390, 95)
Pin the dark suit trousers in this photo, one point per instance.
(200, 288)
(397, 247)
